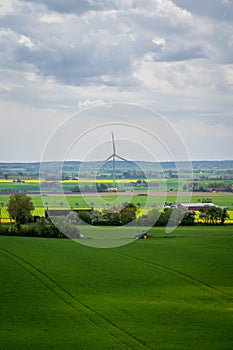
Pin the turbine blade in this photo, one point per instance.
(128, 161)
(106, 160)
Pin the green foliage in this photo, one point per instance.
(205, 200)
(150, 219)
(224, 216)
(102, 187)
(85, 216)
(128, 213)
(189, 218)
(20, 207)
(99, 187)
(157, 217)
(213, 215)
(122, 215)
(112, 218)
(223, 186)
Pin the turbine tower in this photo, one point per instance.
(113, 156)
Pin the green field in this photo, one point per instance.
(83, 201)
(162, 184)
(163, 293)
(79, 201)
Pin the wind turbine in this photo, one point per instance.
(113, 156)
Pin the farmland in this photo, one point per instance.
(164, 293)
(104, 200)
(164, 176)
(224, 199)
(173, 291)
(158, 184)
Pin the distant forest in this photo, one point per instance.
(71, 168)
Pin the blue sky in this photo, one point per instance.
(58, 57)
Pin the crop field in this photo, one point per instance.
(33, 186)
(155, 199)
(103, 201)
(174, 291)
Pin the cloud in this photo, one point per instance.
(69, 6)
(221, 10)
(173, 56)
(77, 48)
(89, 103)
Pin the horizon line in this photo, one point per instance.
(93, 161)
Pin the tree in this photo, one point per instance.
(120, 216)
(213, 215)
(188, 219)
(144, 183)
(96, 217)
(128, 213)
(1, 206)
(150, 219)
(73, 218)
(102, 187)
(19, 208)
(75, 188)
(164, 217)
(224, 216)
(205, 200)
(85, 216)
(112, 218)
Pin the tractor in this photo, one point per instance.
(142, 235)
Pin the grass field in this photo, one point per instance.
(164, 293)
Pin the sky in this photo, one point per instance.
(59, 58)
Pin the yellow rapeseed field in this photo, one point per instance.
(99, 181)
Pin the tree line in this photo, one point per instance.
(20, 209)
(195, 186)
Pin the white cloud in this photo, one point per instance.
(159, 40)
(89, 103)
(52, 18)
(9, 7)
(173, 56)
(27, 42)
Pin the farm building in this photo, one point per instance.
(112, 189)
(217, 189)
(191, 206)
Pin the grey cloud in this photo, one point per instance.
(60, 53)
(82, 6)
(80, 49)
(68, 6)
(180, 52)
(219, 9)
